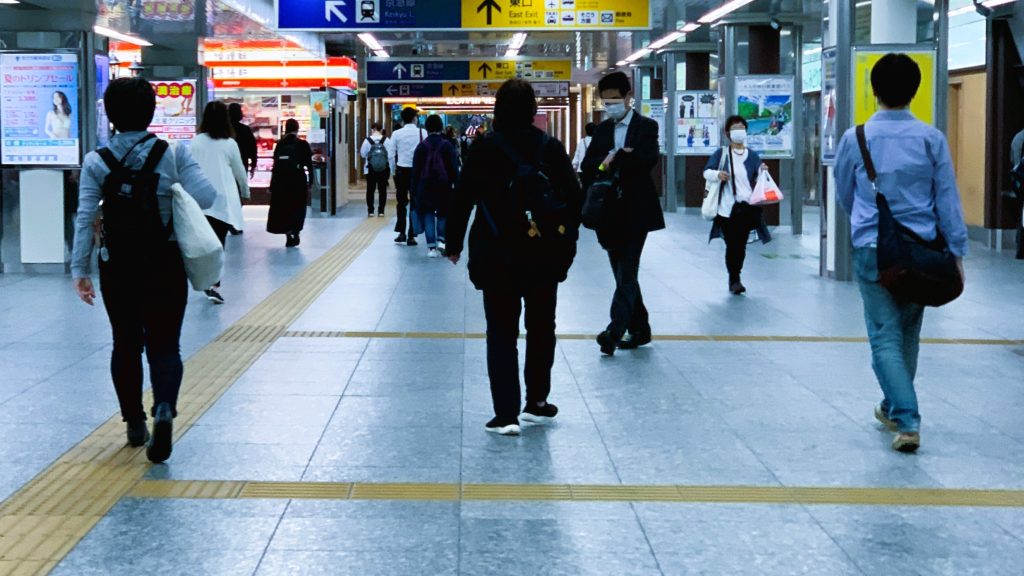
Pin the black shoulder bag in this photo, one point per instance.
(911, 268)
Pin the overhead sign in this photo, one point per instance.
(436, 70)
(480, 15)
(399, 90)
(464, 90)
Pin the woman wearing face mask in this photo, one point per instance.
(736, 217)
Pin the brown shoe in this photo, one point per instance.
(885, 420)
(907, 442)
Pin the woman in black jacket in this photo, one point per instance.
(289, 185)
(521, 246)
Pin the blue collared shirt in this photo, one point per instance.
(915, 173)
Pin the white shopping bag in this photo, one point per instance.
(200, 248)
(766, 191)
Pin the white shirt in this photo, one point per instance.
(740, 179)
(405, 140)
(364, 151)
(621, 129)
(221, 163)
(581, 152)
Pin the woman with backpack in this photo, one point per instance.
(435, 168)
(522, 243)
(289, 185)
(216, 152)
(378, 155)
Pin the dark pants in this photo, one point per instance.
(221, 229)
(628, 311)
(145, 301)
(503, 307)
(403, 183)
(377, 185)
(736, 232)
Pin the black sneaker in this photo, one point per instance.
(539, 414)
(412, 241)
(292, 241)
(138, 434)
(401, 238)
(213, 296)
(159, 449)
(634, 341)
(607, 343)
(737, 288)
(503, 427)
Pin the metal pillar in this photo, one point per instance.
(796, 199)
(727, 79)
(942, 65)
(837, 247)
(671, 202)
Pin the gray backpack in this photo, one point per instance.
(377, 157)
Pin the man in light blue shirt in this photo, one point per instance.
(915, 172)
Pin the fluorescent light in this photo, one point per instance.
(638, 55)
(727, 8)
(666, 40)
(511, 53)
(115, 35)
(9, 2)
(370, 41)
(381, 53)
(690, 27)
(518, 39)
(621, 63)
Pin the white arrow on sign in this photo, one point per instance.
(391, 90)
(399, 69)
(333, 8)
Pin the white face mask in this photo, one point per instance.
(616, 110)
(738, 136)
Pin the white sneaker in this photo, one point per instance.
(433, 253)
(441, 245)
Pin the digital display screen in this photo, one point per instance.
(39, 109)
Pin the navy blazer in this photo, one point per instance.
(752, 164)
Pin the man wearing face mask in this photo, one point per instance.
(736, 217)
(625, 147)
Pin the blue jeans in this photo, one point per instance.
(894, 330)
(433, 226)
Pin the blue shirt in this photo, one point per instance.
(915, 173)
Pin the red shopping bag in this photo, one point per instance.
(766, 191)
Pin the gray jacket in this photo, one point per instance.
(1016, 148)
(177, 166)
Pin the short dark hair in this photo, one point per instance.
(734, 120)
(235, 111)
(291, 125)
(434, 124)
(590, 129)
(409, 115)
(216, 124)
(515, 105)
(375, 126)
(130, 104)
(615, 81)
(895, 80)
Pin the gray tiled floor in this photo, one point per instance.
(409, 410)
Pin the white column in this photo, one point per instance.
(894, 22)
(42, 216)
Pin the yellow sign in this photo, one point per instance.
(536, 70)
(864, 104)
(461, 90)
(547, 14)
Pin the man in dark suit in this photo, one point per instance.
(626, 146)
(244, 137)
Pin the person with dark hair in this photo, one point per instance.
(142, 275)
(406, 139)
(737, 218)
(915, 175)
(583, 145)
(625, 148)
(244, 137)
(289, 185)
(435, 168)
(521, 246)
(378, 154)
(449, 135)
(58, 120)
(217, 154)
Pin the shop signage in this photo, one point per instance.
(175, 116)
(766, 102)
(335, 72)
(480, 15)
(39, 109)
(418, 71)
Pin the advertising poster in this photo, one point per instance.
(655, 110)
(102, 81)
(40, 109)
(829, 101)
(175, 117)
(766, 102)
(864, 105)
(698, 114)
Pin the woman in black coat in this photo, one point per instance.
(512, 258)
(289, 184)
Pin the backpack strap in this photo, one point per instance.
(115, 165)
(156, 153)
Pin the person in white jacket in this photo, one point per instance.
(217, 154)
(377, 177)
(582, 145)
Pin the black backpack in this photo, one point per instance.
(377, 157)
(132, 225)
(538, 235)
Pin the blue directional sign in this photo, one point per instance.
(417, 71)
(368, 14)
(401, 90)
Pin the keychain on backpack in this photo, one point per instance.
(534, 230)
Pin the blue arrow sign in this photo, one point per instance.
(368, 14)
(417, 71)
(400, 90)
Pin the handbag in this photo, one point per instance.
(200, 249)
(911, 268)
(713, 192)
(599, 207)
(766, 191)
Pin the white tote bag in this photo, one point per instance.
(713, 191)
(200, 248)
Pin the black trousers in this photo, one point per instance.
(502, 307)
(145, 301)
(628, 311)
(403, 184)
(220, 228)
(736, 232)
(377, 185)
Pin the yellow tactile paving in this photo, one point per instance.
(44, 520)
(200, 489)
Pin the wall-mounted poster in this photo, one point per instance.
(766, 102)
(698, 114)
(864, 103)
(829, 101)
(175, 117)
(655, 110)
(40, 109)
